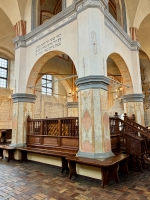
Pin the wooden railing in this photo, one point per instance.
(47, 133)
(119, 126)
(68, 126)
(133, 123)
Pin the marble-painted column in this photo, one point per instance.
(133, 104)
(133, 33)
(20, 28)
(22, 107)
(72, 109)
(94, 130)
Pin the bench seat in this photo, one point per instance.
(57, 153)
(109, 166)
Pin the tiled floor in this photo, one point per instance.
(31, 180)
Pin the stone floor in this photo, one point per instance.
(35, 181)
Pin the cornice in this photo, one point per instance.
(113, 25)
(70, 14)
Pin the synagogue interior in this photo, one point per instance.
(75, 84)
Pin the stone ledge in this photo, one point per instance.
(72, 104)
(133, 98)
(23, 97)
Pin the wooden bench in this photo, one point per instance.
(109, 166)
(11, 151)
(5, 136)
(53, 152)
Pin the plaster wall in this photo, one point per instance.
(68, 45)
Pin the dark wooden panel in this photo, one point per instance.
(115, 141)
(53, 141)
(33, 139)
(70, 142)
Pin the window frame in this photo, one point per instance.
(1, 77)
(44, 85)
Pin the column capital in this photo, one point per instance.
(23, 97)
(72, 104)
(133, 98)
(93, 81)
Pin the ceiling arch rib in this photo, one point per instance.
(15, 11)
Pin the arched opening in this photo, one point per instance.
(49, 8)
(118, 11)
(52, 81)
(120, 84)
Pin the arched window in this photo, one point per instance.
(112, 8)
(48, 9)
(47, 84)
(3, 72)
(118, 11)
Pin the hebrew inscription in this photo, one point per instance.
(48, 45)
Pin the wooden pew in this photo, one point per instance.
(109, 166)
(55, 137)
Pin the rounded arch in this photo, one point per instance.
(126, 77)
(37, 67)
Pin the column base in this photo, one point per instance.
(18, 145)
(95, 155)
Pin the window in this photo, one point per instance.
(3, 72)
(47, 84)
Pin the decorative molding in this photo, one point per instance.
(70, 14)
(93, 81)
(72, 104)
(113, 25)
(132, 98)
(61, 19)
(23, 97)
(95, 155)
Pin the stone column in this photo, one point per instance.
(72, 109)
(133, 104)
(20, 28)
(133, 33)
(22, 107)
(94, 130)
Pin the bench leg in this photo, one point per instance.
(1, 153)
(64, 164)
(113, 172)
(123, 166)
(109, 173)
(23, 156)
(72, 169)
(11, 155)
(105, 174)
